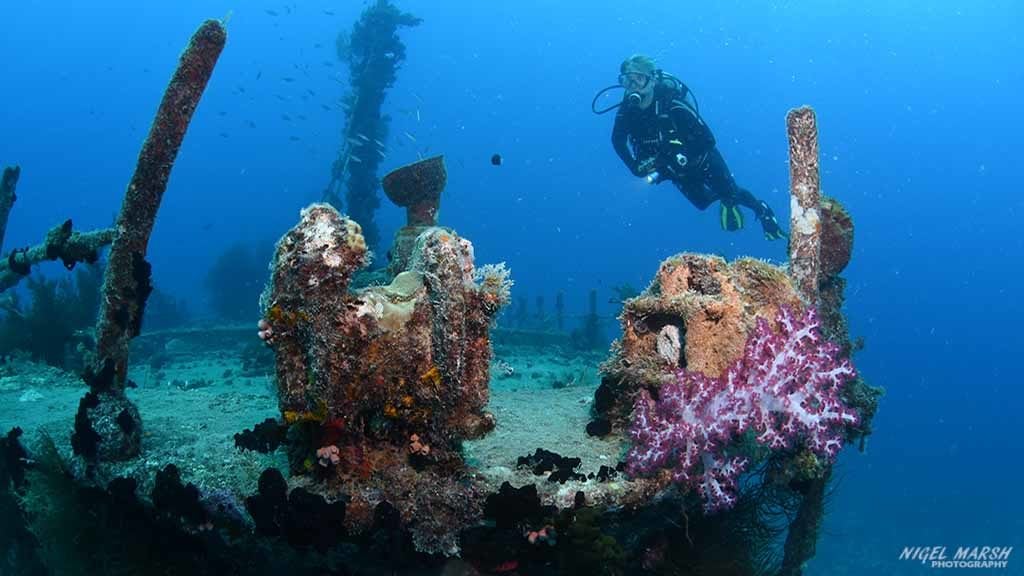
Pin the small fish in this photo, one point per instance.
(301, 116)
(259, 74)
(355, 159)
(294, 138)
(354, 142)
(363, 138)
(222, 113)
(318, 45)
(379, 143)
(329, 12)
(223, 134)
(288, 79)
(281, 98)
(310, 92)
(496, 160)
(272, 12)
(382, 154)
(286, 117)
(417, 115)
(252, 124)
(410, 136)
(325, 107)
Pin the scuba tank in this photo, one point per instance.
(683, 94)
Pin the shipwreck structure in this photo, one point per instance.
(374, 53)
(722, 369)
(389, 380)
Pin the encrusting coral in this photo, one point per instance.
(108, 425)
(696, 314)
(394, 376)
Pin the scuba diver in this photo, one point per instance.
(660, 135)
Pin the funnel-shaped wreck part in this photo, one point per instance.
(417, 188)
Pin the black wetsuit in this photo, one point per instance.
(671, 127)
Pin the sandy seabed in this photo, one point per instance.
(200, 395)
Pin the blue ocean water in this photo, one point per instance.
(919, 124)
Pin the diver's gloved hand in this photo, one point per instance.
(641, 169)
(772, 230)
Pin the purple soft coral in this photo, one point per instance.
(786, 387)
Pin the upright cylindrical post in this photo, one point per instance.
(591, 323)
(560, 310)
(8, 183)
(108, 425)
(123, 297)
(522, 314)
(805, 202)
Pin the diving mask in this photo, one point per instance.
(634, 80)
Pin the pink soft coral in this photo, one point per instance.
(785, 387)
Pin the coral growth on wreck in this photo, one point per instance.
(696, 314)
(785, 388)
(393, 376)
